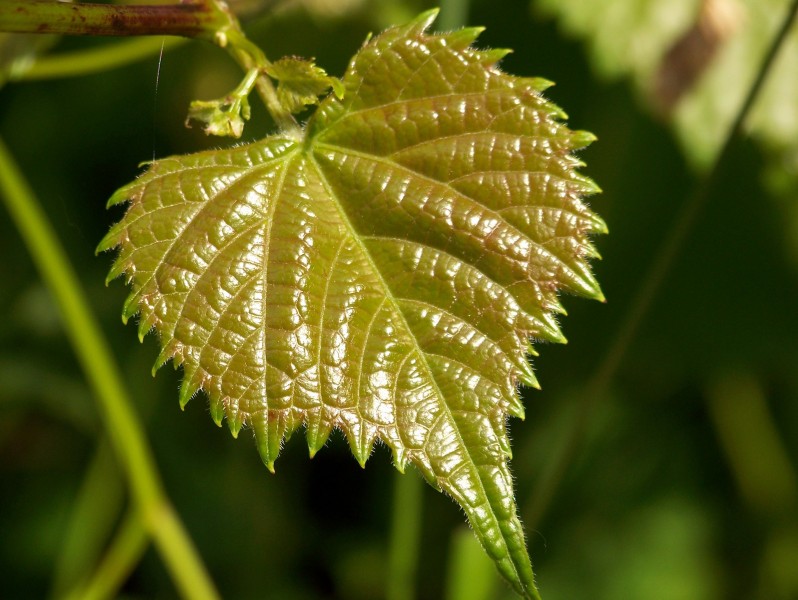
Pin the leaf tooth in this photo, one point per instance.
(399, 458)
(556, 307)
(423, 21)
(554, 111)
(490, 57)
(550, 330)
(145, 326)
(427, 471)
(361, 442)
(598, 225)
(120, 196)
(501, 435)
(317, 433)
(188, 388)
(110, 241)
(586, 186)
(293, 419)
(362, 453)
(582, 139)
(527, 377)
(584, 283)
(117, 268)
(235, 419)
(516, 409)
(167, 352)
(540, 84)
(462, 38)
(130, 307)
(216, 407)
(269, 432)
(525, 370)
(589, 250)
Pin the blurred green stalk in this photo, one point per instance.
(405, 536)
(750, 439)
(125, 551)
(94, 355)
(94, 513)
(95, 60)
(470, 572)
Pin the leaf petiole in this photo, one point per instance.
(251, 57)
(225, 116)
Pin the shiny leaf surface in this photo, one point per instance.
(300, 82)
(381, 272)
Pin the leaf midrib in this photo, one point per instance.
(427, 367)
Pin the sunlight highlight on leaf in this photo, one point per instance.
(382, 273)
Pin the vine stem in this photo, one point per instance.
(596, 387)
(188, 19)
(210, 20)
(94, 355)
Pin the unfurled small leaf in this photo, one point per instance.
(381, 271)
(300, 83)
(223, 117)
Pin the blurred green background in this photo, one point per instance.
(682, 483)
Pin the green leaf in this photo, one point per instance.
(381, 272)
(300, 82)
(223, 117)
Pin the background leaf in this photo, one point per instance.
(382, 275)
(633, 37)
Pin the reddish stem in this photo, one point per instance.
(187, 19)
